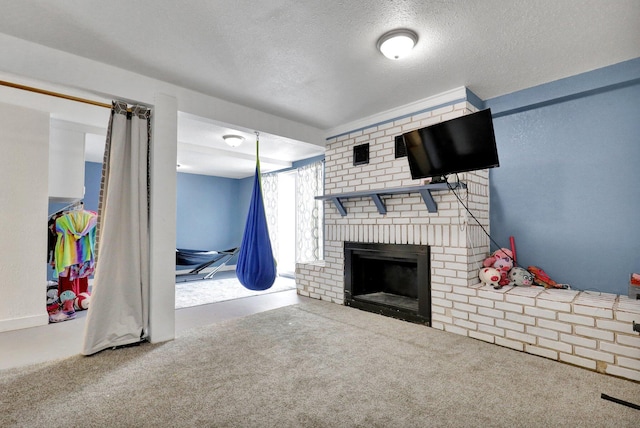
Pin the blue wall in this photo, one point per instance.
(568, 183)
(210, 212)
(245, 188)
(92, 176)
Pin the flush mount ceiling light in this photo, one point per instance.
(233, 140)
(396, 44)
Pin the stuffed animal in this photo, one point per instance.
(520, 276)
(65, 310)
(503, 254)
(541, 278)
(490, 276)
(502, 260)
(52, 295)
(67, 295)
(53, 303)
(81, 302)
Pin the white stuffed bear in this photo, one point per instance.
(490, 276)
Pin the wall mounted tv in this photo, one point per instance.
(466, 143)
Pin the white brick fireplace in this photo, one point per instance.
(581, 328)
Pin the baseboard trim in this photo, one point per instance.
(24, 322)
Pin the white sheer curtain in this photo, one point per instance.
(270, 198)
(119, 310)
(308, 224)
(309, 227)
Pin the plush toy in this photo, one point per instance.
(541, 278)
(490, 276)
(504, 255)
(67, 295)
(53, 304)
(65, 310)
(502, 260)
(520, 276)
(52, 295)
(81, 302)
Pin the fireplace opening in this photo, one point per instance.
(389, 279)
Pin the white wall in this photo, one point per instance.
(66, 160)
(163, 219)
(24, 166)
(91, 79)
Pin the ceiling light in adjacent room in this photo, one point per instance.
(233, 140)
(397, 44)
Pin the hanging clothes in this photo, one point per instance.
(256, 266)
(75, 246)
(51, 226)
(74, 251)
(72, 257)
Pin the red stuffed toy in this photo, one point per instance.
(502, 260)
(541, 278)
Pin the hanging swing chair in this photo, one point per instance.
(256, 267)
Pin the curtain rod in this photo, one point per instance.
(54, 94)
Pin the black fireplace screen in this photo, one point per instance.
(389, 279)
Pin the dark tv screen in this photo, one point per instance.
(466, 143)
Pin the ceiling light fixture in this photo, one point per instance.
(397, 44)
(233, 140)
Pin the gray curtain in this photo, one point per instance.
(119, 310)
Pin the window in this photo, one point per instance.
(294, 217)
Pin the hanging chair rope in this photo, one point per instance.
(258, 157)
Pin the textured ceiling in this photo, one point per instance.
(315, 62)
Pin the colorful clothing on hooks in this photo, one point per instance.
(74, 251)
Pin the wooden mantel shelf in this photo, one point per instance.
(375, 195)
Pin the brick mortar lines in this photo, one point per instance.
(460, 305)
(594, 348)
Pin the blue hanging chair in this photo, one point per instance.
(256, 267)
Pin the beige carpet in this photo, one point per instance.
(314, 364)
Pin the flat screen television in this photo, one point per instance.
(466, 143)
